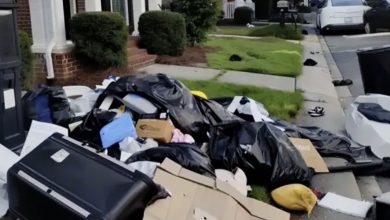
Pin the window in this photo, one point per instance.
(121, 7)
(347, 2)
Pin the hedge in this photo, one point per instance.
(100, 38)
(27, 60)
(163, 32)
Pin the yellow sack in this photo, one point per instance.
(200, 94)
(295, 197)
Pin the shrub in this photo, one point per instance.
(304, 9)
(100, 38)
(163, 32)
(26, 72)
(286, 32)
(200, 16)
(243, 15)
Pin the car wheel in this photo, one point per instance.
(369, 28)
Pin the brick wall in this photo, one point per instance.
(66, 66)
(80, 5)
(24, 20)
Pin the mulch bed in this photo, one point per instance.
(192, 56)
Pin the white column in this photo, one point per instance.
(154, 5)
(138, 10)
(93, 5)
(47, 23)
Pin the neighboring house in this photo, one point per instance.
(47, 22)
(230, 5)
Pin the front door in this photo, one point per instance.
(123, 7)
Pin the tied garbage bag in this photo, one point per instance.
(187, 155)
(261, 150)
(59, 106)
(168, 94)
(295, 197)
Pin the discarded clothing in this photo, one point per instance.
(310, 62)
(36, 107)
(235, 58)
(374, 112)
(261, 150)
(179, 137)
(187, 155)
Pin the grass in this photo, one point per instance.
(284, 105)
(287, 32)
(259, 193)
(268, 55)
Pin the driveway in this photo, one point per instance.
(343, 48)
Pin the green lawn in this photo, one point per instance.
(287, 32)
(268, 55)
(284, 105)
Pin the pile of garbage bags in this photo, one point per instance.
(199, 134)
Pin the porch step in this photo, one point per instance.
(137, 57)
(141, 58)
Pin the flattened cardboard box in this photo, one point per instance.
(197, 197)
(310, 155)
(160, 130)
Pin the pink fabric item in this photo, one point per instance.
(179, 137)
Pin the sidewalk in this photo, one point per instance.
(242, 78)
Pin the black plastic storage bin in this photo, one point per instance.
(64, 181)
(11, 125)
(375, 70)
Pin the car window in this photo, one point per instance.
(378, 3)
(347, 2)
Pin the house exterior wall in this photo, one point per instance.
(24, 19)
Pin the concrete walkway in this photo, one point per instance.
(242, 78)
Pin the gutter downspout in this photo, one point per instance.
(50, 46)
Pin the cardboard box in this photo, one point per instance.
(160, 130)
(310, 155)
(197, 197)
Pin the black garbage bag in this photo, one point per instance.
(59, 106)
(36, 107)
(261, 150)
(89, 131)
(167, 93)
(46, 104)
(326, 143)
(215, 112)
(187, 155)
(374, 112)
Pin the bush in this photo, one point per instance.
(286, 32)
(163, 32)
(200, 16)
(304, 9)
(100, 38)
(243, 15)
(26, 72)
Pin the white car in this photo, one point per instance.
(341, 15)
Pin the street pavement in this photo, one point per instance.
(344, 45)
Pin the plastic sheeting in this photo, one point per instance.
(374, 112)
(187, 155)
(326, 143)
(261, 150)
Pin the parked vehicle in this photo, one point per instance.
(341, 15)
(378, 17)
